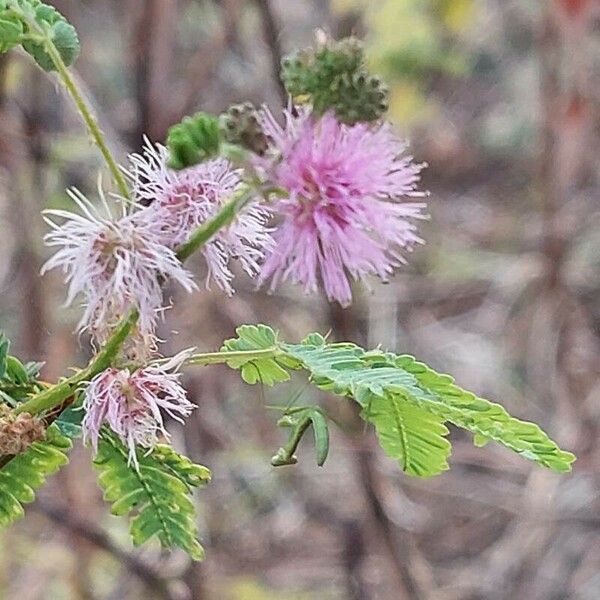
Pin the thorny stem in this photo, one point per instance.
(80, 102)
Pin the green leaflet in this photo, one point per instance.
(11, 28)
(257, 370)
(406, 401)
(158, 493)
(26, 473)
(17, 380)
(63, 34)
(409, 434)
(22, 20)
(487, 420)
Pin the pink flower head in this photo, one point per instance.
(343, 218)
(132, 403)
(116, 264)
(184, 200)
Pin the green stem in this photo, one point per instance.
(80, 103)
(208, 229)
(55, 395)
(58, 393)
(223, 218)
(215, 358)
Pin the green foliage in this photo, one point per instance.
(157, 492)
(69, 421)
(406, 401)
(409, 434)
(267, 370)
(335, 76)
(27, 472)
(28, 22)
(17, 379)
(11, 30)
(195, 139)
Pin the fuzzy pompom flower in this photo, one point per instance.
(132, 403)
(183, 200)
(116, 264)
(343, 218)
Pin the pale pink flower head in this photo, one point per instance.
(344, 217)
(115, 264)
(183, 200)
(132, 404)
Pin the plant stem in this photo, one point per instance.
(208, 229)
(214, 358)
(56, 394)
(223, 218)
(82, 106)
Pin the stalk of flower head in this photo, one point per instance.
(39, 33)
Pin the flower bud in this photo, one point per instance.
(334, 76)
(240, 125)
(194, 140)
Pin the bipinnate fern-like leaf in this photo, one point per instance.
(157, 494)
(407, 402)
(27, 472)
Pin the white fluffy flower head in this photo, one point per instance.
(115, 264)
(184, 200)
(132, 403)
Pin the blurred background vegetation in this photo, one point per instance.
(502, 99)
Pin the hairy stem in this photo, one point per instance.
(56, 394)
(82, 106)
(223, 218)
(207, 230)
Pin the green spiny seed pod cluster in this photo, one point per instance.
(16, 19)
(195, 139)
(240, 126)
(18, 432)
(334, 76)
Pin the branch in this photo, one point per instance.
(58, 393)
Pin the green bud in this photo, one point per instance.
(195, 139)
